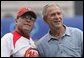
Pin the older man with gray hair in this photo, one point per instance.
(61, 40)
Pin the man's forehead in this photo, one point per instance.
(53, 7)
(49, 7)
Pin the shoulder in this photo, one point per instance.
(7, 36)
(6, 39)
(43, 39)
(77, 34)
(75, 30)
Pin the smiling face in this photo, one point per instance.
(54, 16)
(25, 23)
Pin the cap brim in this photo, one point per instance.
(31, 13)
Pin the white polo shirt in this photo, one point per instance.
(14, 44)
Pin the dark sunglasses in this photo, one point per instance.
(28, 17)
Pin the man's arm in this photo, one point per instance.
(5, 46)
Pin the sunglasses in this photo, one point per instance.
(28, 17)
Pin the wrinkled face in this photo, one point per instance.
(25, 23)
(54, 16)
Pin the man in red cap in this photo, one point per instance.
(19, 43)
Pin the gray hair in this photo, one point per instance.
(46, 6)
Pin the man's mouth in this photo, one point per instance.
(27, 24)
(57, 21)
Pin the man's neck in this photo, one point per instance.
(24, 34)
(57, 32)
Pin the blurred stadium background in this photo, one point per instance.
(73, 15)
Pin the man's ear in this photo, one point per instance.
(45, 19)
(16, 19)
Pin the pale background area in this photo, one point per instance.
(10, 7)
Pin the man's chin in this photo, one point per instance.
(58, 26)
(27, 31)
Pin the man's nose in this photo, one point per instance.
(56, 16)
(28, 20)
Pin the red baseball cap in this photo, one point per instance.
(21, 11)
